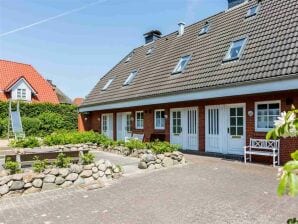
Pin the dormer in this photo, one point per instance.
(20, 89)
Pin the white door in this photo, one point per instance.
(107, 125)
(235, 129)
(225, 128)
(123, 125)
(184, 128)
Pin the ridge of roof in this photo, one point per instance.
(16, 62)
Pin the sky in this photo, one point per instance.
(75, 42)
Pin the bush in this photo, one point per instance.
(62, 161)
(28, 142)
(3, 127)
(50, 122)
(162, 147)
(39, 165)
(13, 167)
(135, 144)
(32, 126)
(87, 158)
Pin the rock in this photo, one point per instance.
(75, 168)
(28, 177)
(54, 171)
(116, 175)
(150, 163)
(63, 172)
(177, 153)
(175, 162)
(108, 172)
(160, 156)
(17, 176)
(49, 186)
(142, 165)
(94, 169)
(101, 173)
(158, 166)
(32, 190)
(98, 184)
(151, 167)
(183, 161)
(9, 183)
(79, 181)
(27, 185)
(3, 173)
(89, 167)
(15, 193)
(4, 189)
(17, 185)
(49, 178)
(95, 175)
(102, 167)
(101, 161)
(47, 171)
(86, 173)
(108, 163)
(167, 154)
(37, 183)
(39, 176)
(89, 180)
(116, 169)
(167, 162)
(72, 177)
(148, 157)
(59, 180)
(5, 180)
(66, 184)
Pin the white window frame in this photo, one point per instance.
(204, 29)
(107, 85)
(136, 118)
(21, 94)
(227, 56)
(256, 113)
(130, 78)
(248, 15)
(175, 71)
(155, 120)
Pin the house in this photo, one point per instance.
(62, 97)
(210, 86)
(78, 101)
(20, 81)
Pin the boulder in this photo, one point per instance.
(151, 167)
(94, 169)
(49, 186)
(167, 162)
(95, 175)
(175, 162)
(101, 173)
(59, 180)
(28, 177)
(4, 180)
(148, 157)
(86, 173)
(63, 172)
(75, 168)
(17, 176)
(72, 177)
(89, 167)
(116, 169)
(183, 161)
(89, 180)
(108, 163)
(102, 167)
(101, 161)
(66, 184)
(4, 189)
(37, 183)
(108, 172)
(17, 185)
(27, 185)
(32, 190)
(160, 156)
(158, 166)
(49, 178)
(39, 176)
(79, 181)
(54, 171)
(142, 165)
(9, 183)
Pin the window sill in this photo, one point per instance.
(263, 129)
(176, 73)
(230, 59)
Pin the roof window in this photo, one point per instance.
(252, 11)
(130, 78)
(106, 86)
(181, 64)
(234, 52)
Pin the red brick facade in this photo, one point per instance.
(91, 121)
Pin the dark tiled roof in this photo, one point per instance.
(270, 53)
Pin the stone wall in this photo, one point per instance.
(89, 176)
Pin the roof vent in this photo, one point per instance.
(181, 28)
(233, 3)
(152, 36)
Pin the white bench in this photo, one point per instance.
(263, 147)
(136, 137)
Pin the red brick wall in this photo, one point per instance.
(287, 145)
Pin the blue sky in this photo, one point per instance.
(76, 49)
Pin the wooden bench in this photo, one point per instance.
(263, 147)
(139, 137)
(27, 158)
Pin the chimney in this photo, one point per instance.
(181, 28)
(152, 36)
(233, 3)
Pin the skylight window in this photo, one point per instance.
(235, 49)
(130, 78)
(204, 29)
(128, 58)
(150, 50)
(106, 86)
(181, 64)
(252, 11)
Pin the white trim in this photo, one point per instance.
(256, 114)
(159, 128)
(136, 119)
(254, 88)
(24, 80)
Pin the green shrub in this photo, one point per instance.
(39, 165)
(28, 142)
(13, 167)
(32, 126)
(62, 161)
(292, 221)
(162, 147)
(87, 158)
(3, 127)
(50, 122)
(135, 144)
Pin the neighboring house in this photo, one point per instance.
(78, 101)
(20, 81)
(210, 86)
(62, 97)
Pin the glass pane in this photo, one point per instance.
(178, 114)
(262, 106)
(240, 121)
(178, 122)
(232, 111)
(233, 121)
(271, 121)
(240, 131)
(240, 111)
(274, 106)
(162, 114)
(162, 123)
(232, 130)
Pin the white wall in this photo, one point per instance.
(21, 85)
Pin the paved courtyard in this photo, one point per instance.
(208, 190)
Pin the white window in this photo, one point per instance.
(130, 78)
(265, 115)
(181, 64)
(150, 50)
(235, 49)
(104, 123)
(204, 29)
(252, 11)
(139, 119)
(159, 122)
(177, 126)
(128, 122)
(21, 94)
(107, 84)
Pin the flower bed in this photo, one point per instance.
(91, 176)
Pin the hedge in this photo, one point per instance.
(40, 119)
